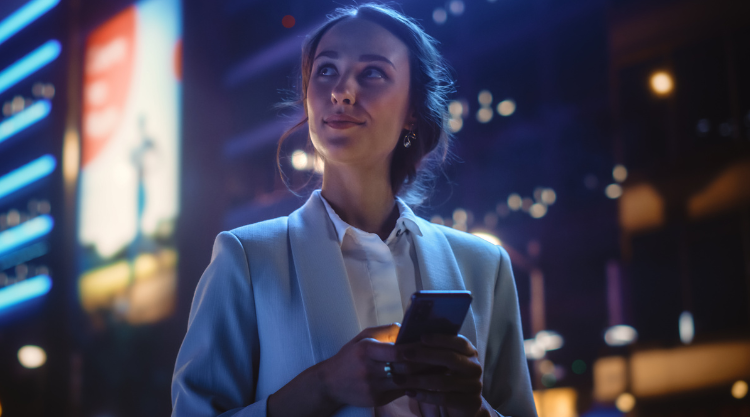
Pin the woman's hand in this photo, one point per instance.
(356, 374)
(454, 380)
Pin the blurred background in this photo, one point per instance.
(604, 143)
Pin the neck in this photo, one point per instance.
(361, 197)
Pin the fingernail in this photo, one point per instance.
(411, 394)
(410, 353)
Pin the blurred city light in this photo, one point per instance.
(620, 173)
(24, 119)
(27, 174)
(24, 16)
(460, 215)
(29, 64)
(549, 380)
(456, 109)
(456, 7)
(613, 191)
(687, 328)
(533, 350)
(538, 210)
(288, 21)
(547, 366)
(526, 204)
(31, 356)
(437, 219)
(625, 402)
(506, 107)
(662, 83)
(514, 202)
(24, 290)
(484, 114)
(300, 161)
(556, 402)
(549, 340)
(485, 98)
(24, 233)
(488, 237)
(620, 335)
(455, 124)
(439, 15)
(549, 196)
(739, 389)
(578, 366)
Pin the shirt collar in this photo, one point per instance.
(407, 220)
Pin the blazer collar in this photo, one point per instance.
(326, 293)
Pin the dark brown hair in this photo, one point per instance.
(412, 169)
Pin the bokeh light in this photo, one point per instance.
(460, 215)
(439, 15)
(514, 201)
(739, 389)
(506, 107)
(300, 161)
(457, 7)
(546, 366)
(455, 125)
(620, 335)
(625, 402)
(538, 210)
(31, 356)
(549, 196)
(526, 204)
(489, 237)
(662, 83)
(484, 115)
(455, 108)
(437, 219)
(578, 367)
(549, 380)
(288, 21)
(687, 328)
(613, 191)
(620, 173)
(485, 97)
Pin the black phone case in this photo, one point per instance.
(434, 312)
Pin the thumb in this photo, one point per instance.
(386, 333)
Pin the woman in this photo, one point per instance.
(297, 316)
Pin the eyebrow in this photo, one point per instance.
(362, 58)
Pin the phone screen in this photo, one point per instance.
(434, 312)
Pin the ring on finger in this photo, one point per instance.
(388, 370)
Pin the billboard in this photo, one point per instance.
(129, 179)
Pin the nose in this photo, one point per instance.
(343, 92)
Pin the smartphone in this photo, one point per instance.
(434, 312)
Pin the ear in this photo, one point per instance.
(411, 120)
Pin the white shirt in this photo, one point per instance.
(382, 276)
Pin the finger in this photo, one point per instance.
(386, 333)
(455, 362)
(380, 352)
(411, 368)
(458, 344)
(439, 383)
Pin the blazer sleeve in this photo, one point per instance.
(217, 366)
(506, 385)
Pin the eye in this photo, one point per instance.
(373, 72)
(327, 70)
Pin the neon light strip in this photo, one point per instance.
(24, 119)
(29, 64)
(24, 16)
(24, 290)
(27, 174)
(24, 233)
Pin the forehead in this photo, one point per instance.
(359, 37)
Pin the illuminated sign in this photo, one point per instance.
(128, 201)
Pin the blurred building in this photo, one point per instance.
(604, 143)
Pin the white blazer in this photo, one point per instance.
(275, 300)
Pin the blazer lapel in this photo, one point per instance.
(439, 269)
(319, 265)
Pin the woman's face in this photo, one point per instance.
(358, 94)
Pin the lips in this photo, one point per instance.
(341, 121)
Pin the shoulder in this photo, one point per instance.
(467, 246)
(265, 231)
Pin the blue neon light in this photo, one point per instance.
(27, 174)
(24, 233)
(24, 119)
(24, 16)
(24, 290)
(29, 64)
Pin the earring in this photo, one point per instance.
(409, 137)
